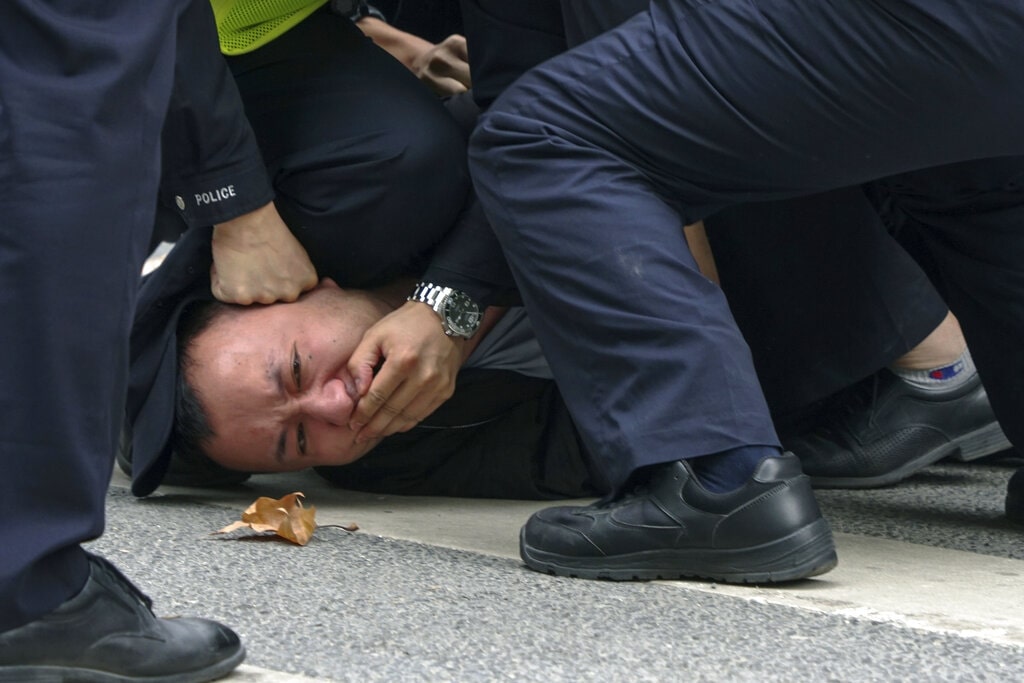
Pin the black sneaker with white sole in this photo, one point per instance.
(670, 527)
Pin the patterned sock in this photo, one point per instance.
(729, 470)
(939, 380)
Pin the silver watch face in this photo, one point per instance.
(460, 314)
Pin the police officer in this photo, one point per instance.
(85, 90)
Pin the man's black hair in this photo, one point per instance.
(192, 431)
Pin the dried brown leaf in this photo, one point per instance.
(285, 516)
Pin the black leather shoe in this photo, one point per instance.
(108, 634)
(768, 530)
(885, 430)
(1015, 497)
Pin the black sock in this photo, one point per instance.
(728, 470)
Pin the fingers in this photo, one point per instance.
(446, 86)
(373, 411)
(457, 45)
(458, 64)
(398, 399)
(264, 291)
(257, 259)
(393, 413)
(445, 68)
(373, 393)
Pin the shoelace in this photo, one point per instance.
(637, 485)
(853, 403)
(113, 572)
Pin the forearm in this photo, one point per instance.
(403, 46)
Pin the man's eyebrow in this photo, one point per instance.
(274, 373)
(280, 448)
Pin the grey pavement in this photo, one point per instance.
(930, 587)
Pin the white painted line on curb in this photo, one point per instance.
(915, 586)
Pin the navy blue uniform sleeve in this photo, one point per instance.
(212, 167)
(470, 259)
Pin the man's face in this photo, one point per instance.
(275, 384)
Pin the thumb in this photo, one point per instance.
(363, 362)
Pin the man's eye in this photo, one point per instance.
(301, 438)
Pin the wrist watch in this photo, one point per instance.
(460, 315)
(356, 9)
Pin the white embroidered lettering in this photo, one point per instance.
(216, 195)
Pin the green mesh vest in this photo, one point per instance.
(244, 25)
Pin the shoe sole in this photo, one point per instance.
(803, 554)
(971, 446)
(59, 674)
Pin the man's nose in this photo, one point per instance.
(331, 403)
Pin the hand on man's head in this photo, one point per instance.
(257, 259)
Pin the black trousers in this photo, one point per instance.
(822, 292)
(368, 168)
(85, 88)
(590, 165)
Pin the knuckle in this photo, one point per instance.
(263, 298)
(405, 362)
(431, 375)
(374, 397)
(232, 296)
(390, 410)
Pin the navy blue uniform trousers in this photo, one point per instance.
(84, 88)
(781, 273)
(589, 166)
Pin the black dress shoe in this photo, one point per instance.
(885, 430)
(1015, 497)
(108, 634)
(768, 530)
